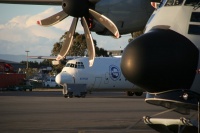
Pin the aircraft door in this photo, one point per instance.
(97, 82)
(106, 81)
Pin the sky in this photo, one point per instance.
(19, 31)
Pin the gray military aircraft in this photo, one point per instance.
(165, 61)
(105, 17)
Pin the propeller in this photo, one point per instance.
(79, 9)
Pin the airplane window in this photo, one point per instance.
(194, 29)
(191, 2)
(72, 65)
(68, 65)
(174, 2)
(79, 65)
(195, 17)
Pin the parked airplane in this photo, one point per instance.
(77, 78)
(166, 62)
(118, 20)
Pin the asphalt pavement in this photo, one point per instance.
(100, 112)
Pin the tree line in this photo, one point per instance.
(78, 48)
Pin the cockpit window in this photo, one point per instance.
(195, 17)
(78, 65)
(68, 65)
(192, 2)
(174, 2)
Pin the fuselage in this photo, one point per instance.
(104, 75)
(183, 17)
(166, 57)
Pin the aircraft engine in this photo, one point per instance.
(160, 60)
(79, 9)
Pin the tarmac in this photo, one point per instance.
(46, 110)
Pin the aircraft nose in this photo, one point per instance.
(160, 60)
(58, 78)
(64, 78)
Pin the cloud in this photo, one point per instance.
(22, 33)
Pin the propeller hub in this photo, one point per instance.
(75, 8)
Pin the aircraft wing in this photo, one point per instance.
(42, 57)
(38, 2)
(52, 57)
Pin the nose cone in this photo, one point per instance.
(64, 78)
(58, 78)
(160, 60)
(76, 8)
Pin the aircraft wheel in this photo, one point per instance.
(83, 94)
(138, 93)
(70, 94)
(130, 93)
(66, 96)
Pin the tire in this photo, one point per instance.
(129, 93)
(138, 93)
(65, 96)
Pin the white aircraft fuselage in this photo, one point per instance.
(104, 75)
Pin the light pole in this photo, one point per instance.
(27, 59)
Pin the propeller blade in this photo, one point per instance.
(68, 40)
(105, 22)
(52, 20)
(89, 41)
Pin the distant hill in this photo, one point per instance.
(16, 58)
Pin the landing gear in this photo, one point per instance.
(181, 101)
(68, 95)
(130, 93)
(74, 90)
(138, 93)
